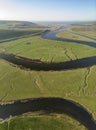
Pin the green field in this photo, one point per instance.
(77, 36)
(42, 122)
(78, 84)
(88, 29)
(14, 34)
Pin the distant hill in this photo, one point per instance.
(18, 24)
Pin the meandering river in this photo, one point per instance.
(38, 65)
(51, 105)
(51, 35)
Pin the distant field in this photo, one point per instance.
(71, 35)
(87, 29)
(19, 24)
(90, 33)
(11, 34)
(10, 30)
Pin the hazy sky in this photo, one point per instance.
(48, 10)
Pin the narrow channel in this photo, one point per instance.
(51, 35)
(38, 65)
(49, 105)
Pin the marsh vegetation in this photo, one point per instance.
(78, 84)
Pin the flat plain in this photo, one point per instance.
(78, 85)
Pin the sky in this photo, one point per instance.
(48, 10)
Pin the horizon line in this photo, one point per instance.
(48, 20)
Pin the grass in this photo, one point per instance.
(89, 33)
(4, 126)
(47, 50)
(73, 36)
(7, 34)
(44, 122)
(47, 84)
(86, 29)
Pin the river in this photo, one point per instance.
(49, 105)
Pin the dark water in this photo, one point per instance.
(38, 65)
(49, 105)
(51, 35)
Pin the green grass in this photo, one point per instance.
(4, 126)
(73, 36)
(47, 50)
(90, 32)
(87, 29)
(21, 84)
(16, 33)
(44, 122)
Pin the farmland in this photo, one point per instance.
(78, 85)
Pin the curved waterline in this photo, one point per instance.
(49, 105)
(38, 65)
(51, 35)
